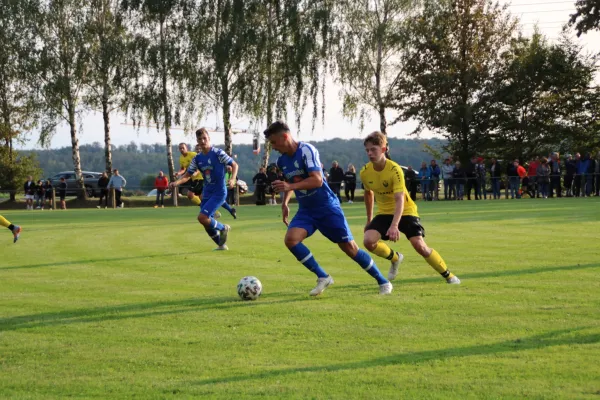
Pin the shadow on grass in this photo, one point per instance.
(95, 260)
(139, 310)
(555, 338)
(475, 275)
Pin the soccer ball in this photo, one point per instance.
(249, 288)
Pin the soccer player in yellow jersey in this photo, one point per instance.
(15, 229)
(383, 181)
(194, 192)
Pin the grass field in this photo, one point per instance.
(134, 303)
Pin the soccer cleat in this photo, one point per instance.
(453, 281)
(223, 235)
(234, 213)
(217, 214)
(16, 233)
(222, 247)
(386, 288)
(395, 267)
(322, 283)
(98, 207)
(156, 206)
(162, 206)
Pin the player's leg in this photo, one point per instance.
(15, 229)
(333, 225)
(215, 230)
(300, 228)
(231, 210)
(374, 233)
(193, 194)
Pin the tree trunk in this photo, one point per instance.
(165, 103)
(382, 120)
(107, 149)
(270, 105)
(81, 193)
(227, 119)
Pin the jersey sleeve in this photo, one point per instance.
(224, 157)
(310, 155)
(193, 167)
(398, 179)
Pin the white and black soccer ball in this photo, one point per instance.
(249, 288)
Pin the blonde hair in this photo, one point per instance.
(376, 138)
(351, 168)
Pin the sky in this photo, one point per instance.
(549, 16)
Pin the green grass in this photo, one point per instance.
(133, 303)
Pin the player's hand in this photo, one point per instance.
(393, 233)
(173, 185)
(281, 186)
(231, 184)
(285, 213)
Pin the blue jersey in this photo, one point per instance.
(297, 168)
(213, 166)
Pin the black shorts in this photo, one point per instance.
(409, 225)
(197, 187)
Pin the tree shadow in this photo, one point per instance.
(95, 260)
(555, 338)
(476, 275)
(139, 310)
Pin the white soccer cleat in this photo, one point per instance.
(453, 281)
(322, 284)
(395, 267)
(223, 235)
(217, 215)
(222, 247)
(386, 288)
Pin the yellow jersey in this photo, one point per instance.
(185, 161)
(385, 184)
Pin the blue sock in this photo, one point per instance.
(366, 262)
(306, 258)
(227, 207)
(214, 224)
(214, 234)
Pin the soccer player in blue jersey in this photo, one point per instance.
(319, 208)
(212, 163)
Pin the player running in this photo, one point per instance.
(319, 208)
(15, 229)
(194, 192)
(211, 162)
(383, 181)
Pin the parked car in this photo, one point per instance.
(90, 181)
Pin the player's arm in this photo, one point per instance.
(369, 202)
(186, 177)
(399, 198)
(234, 170)
(314, 180)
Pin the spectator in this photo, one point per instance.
(495, 175)
(103, 185)
(597, 173)
(589, 174)
(513, 178)
(29, 189)
(522, 172)
(481, 178)
(532, 172)
(39, 195)
(350, 183)
(458, 177)
(272, 177)
(447, 170)
(161, 183)
(472, 182)
(577, 178)
(425, 175)
(411, 182)
(543, 177)
(62, 193)
(48, 194)
(260, 181)
(118, 182)
(555, 172)
(336, 177)
(571, 171)
(434, 186)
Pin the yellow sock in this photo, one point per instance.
(196, 200)
(383, 250)
(4, 222)
(437, 263)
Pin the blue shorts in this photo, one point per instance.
(330, 221)
(210, 204)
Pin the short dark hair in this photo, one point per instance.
(199, 133)
(275, 128)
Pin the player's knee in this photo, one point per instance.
(370, 241)
(350, 248)
(290, 241)
(203, 219)
(190, 194)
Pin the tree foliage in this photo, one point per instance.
(586, 17)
